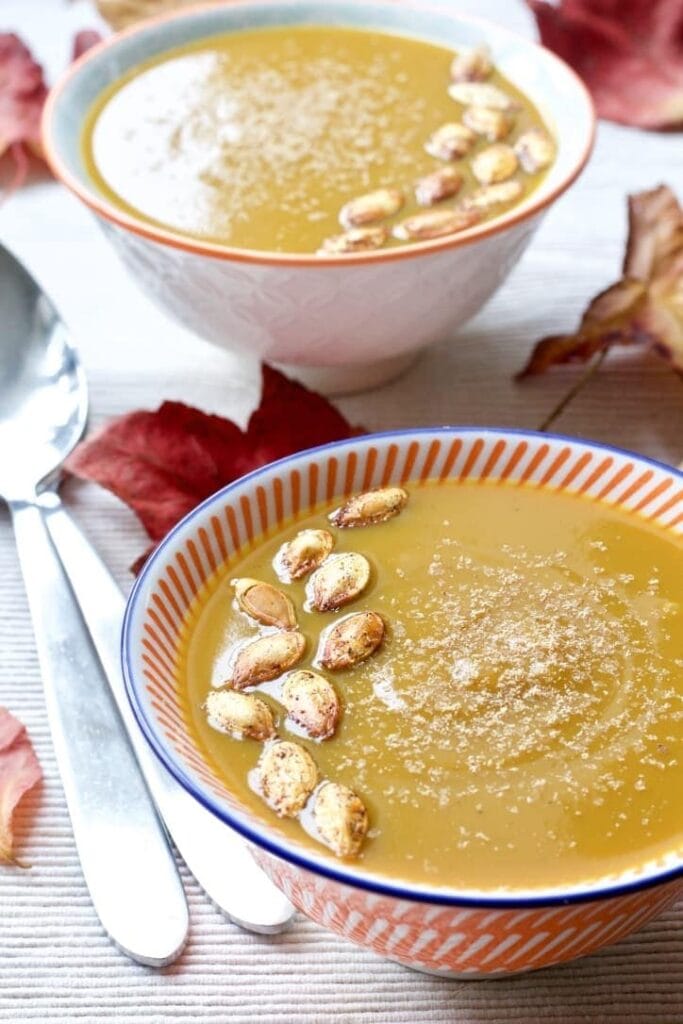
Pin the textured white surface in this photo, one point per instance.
(55, 965)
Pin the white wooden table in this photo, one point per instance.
(55, 963)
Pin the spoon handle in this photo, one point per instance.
(217, 857)
(125, 857)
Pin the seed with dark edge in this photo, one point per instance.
(265, 603)
(370, 208)
(450, 142)
(440, 184)
(303, 554)
(240, 715)
(534, 150)
(494, 125)
(489, 196)
(267, 658)
(338, 581)
(494, 164)
(312, 702)
(481, 94)
(370, 507)
(435, 224)
(472, 65)
(355, 240)
(351, 640)
(341, 819)
(286, 775)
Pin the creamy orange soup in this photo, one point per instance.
(520, 723)
(315, 138)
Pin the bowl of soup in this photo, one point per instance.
(433, 678)
(328, 188)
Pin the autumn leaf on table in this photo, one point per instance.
(645, 307)
(19, 772)
(628, 52)
(22, 96)
(163, 463)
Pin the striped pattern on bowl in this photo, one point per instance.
(465, 934)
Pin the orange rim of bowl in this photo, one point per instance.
(177, 240)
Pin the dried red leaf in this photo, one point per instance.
(628, 52)
(163, 463)
(84, 41)
(19, 772)
(22, 96)
(646, 306)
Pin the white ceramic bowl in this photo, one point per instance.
(436, 928)
(360, 317)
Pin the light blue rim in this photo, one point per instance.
(339, 875)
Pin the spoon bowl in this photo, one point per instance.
(43, 391)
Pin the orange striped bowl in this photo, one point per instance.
(460, 934)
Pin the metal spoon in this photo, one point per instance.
(126, 862)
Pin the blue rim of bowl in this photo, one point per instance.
(369, 883)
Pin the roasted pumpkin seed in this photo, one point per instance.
(267, 658)
(265, 603)
(440, 184)
(494, 164)
(340, 818)
(489, 196)
(368, 209)
(312, 702)
(338, 581)
(481, 94)
(435, 224)
(472, 65)
(534, 150)
(303, 554)
(450, 142)
(286, 775)
(351, 640)
(494, 125)
(240, 715)
(370, 507)
(356, 240)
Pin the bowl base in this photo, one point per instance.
(350, 380)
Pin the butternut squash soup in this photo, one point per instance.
(471, 684)
(313, 138)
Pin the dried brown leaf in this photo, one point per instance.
(644, 308)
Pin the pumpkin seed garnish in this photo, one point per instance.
(494, 125)
(481, 94)
(265, 603)
(450, 142)
(356, 240)
(494, 164)
(312, 702)
(367, 209)
(304, 553)
(534, 150)
(440, 184)
(488, 196)
(435, 224)
(472, 65)
(338, 581)
(285, 776)
(370, 507)
(340, 818)
(351, 640)
(267, 658)
(240, 715)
